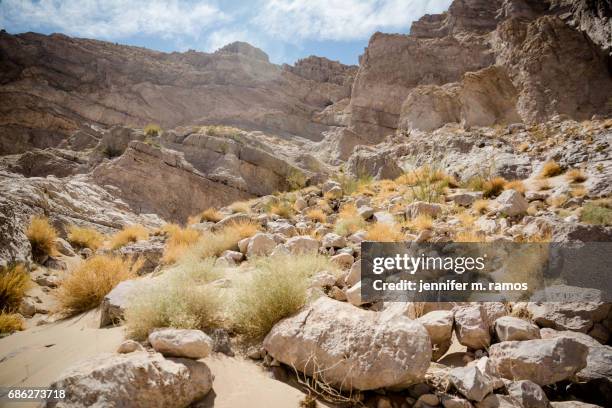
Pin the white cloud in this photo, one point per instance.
(113, 19)
(341, 20)
(224, 36)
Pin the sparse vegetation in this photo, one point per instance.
(352, 185)
(282, 209)
(14, 281)
(597, 212)
(180, 239)
(480, 206)
(214, 243)
(493, 187)
(383, 232)
(180, 298)
(82, 237)
(277, 289)
(240, 207)
(87, 285)
(10, 322)
(516, 185)
(420, 223)
(427, 183)
(550, 169)
(576, 176)
(543, 185)
(316, 214)
(222, 131)
(349, 221)
(129, 234)
(152, 130)
(210, 215)
(42, 236)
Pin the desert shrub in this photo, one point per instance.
(14, 281)
(576, 176)
(550, 169)
(296, 179)
(469, 235)
(210, 214)
(277, 289)
(240, 207)
(543, 185)
(152, 130)
(493, 187)
(383, 232)
(349, 221)
(480, 206)
(10, 322)
(85, 288)
(282, 209)
(466, 219)
(180, 299)
(420, 223)
(214, 243)
(222, 131)
(578, 191)
(597, 212)
(352, 185)
(179, 240)
(427, 183)
(516, 185)
(316, 214)
(127, 235)
(557, 200)
(42, 236)
(81, 237)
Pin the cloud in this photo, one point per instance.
(224, 36)
(112, 19)
(341, 20)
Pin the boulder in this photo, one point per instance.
(302, 244)
(344, 260)
(352, 348)
(129, 346)
(417, 208)
(471, 326)
(374, 163)
(572, 404)
(149, 251)
(497, 401)
(114, 303)
(541, 361)
(365, 212)
(181, 343)
(471, 382)
(354, 274)
(510, 328)
(139, 379)
(332, 240)
(353, 295)
(261, 244)
(511, 203)
(465, 198)
(528, 394)
(439, 326)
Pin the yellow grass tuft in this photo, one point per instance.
(10, 322)
(240, 207)
(420, 223)
(127, 235)
(282, 209)
(42, 236)
(550, 169)
(543, 185)
(493, 187)
(349, 221)
(466, 219)
(576, 176)
(578, 191)
(558, 200)
(210, 214)
(178, 242)
(384, 233)
(14, 283)
(152, 130)
(469, 236)
(516, 185)
(480, 206)
(85, 288)
(81, 237)
(316, 214)
(212, 244)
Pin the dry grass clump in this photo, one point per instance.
(427, 183)
(543, 185)
(277, 289)
(597, 212)
(316, 214)
(558, 200)
(129, 234)
(14, 282)
(240, 207)
(42, 236)
(221, 131)
(282, 209)
(210, 214)
(420, 223)
(180, 298)
(352, 185)
(10, 322)
(85, 288)
(349, 221)
(383, 232)
(493, 187)
(466, 219)
(180, 239)
(214, 243)
(480, 206)
(550, 169)
(152, 130)
(578, 191)
(516, 185)
(576, 176)
(469, 235)
(81, 237)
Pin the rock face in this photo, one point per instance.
(137, 379)
(181, 343)
(541, 361)
(355, 349)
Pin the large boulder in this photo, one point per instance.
(114, 303)
(471, 382)
(366, 161)
(261, 244)
(471, 326)
(542, 361)
(511, 203)
(528, 394)
(509, 328)
(149, 252)
(302, 244)
(138, 379)
(439, 326)
(352, 348)
(14, 245)
(181, 343)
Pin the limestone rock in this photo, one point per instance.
(471, 382)
(129, 346)
(528, 394)
(181, 343)
(302, 244)
(354, 348)
(260, 244)
(439, 326)
(137, 379)
(512, 203)
(510, 328)
(471, 326)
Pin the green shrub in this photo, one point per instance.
(597, 212)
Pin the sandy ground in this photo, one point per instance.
(37, 356)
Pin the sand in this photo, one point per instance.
(37, 356)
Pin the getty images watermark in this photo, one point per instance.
(501, 271)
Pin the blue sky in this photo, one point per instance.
(285, 29)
